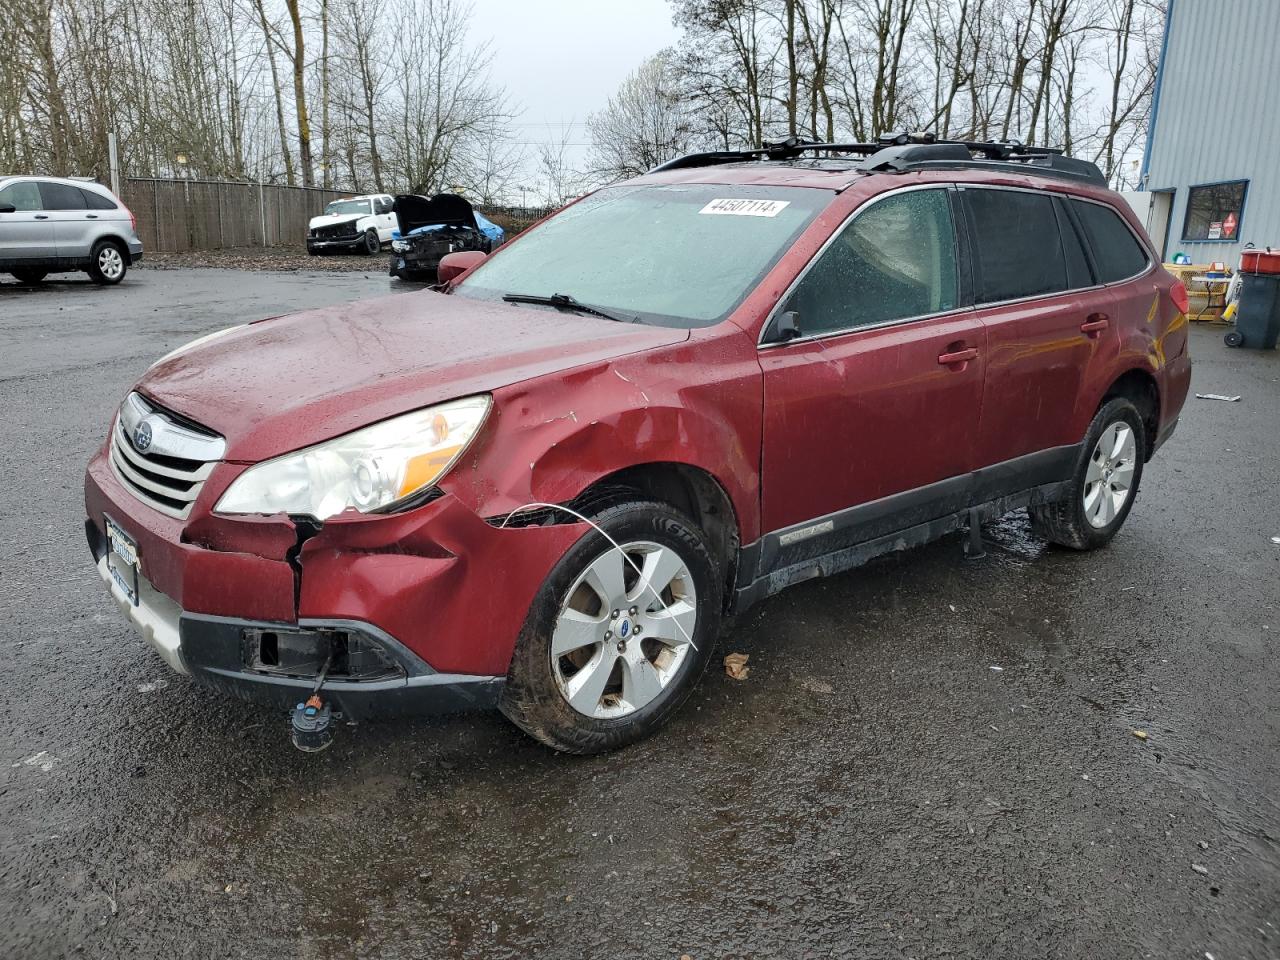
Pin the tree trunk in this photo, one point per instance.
(300, 94)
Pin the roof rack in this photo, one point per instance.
(901, 152)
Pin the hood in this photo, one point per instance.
(288, 382)
(413, 211)
(331, 219)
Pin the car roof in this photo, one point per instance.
(836, 166)
(838, 177)
(70, 181)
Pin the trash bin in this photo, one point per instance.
(1258, 318)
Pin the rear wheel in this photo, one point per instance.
(1101, 491)
(107, 263)
(30, 276)
(371, 242)
(617, 638)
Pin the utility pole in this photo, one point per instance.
(113, 163)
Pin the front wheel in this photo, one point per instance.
(1102, 488)
(107, 264)
(371, 242)
(617, 636)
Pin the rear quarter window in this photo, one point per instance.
(1018, 250)
(96, 201)
(1116, 251)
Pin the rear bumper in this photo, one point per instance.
(135, 251)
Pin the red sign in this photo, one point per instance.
(1229, 226)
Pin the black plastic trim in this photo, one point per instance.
(212, 651)
(851, 537)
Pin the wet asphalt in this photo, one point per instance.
(931, 757)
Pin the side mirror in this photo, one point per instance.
(787, 326)
(453, 265)
(8, 208)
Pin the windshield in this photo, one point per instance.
(681, 255)
(347, 207)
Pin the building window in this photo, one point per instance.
(1214, 211)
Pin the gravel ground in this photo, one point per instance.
(267, 258)
(930, 757)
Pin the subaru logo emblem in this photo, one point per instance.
(624, 629)
(142, 436)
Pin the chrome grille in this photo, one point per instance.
(168, 473)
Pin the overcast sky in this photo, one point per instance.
(562, 59)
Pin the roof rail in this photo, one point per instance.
(901, 152)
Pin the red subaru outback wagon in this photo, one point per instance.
(545, 485)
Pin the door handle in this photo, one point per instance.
(42, 216)
(958, 356)
(91, 216)
(1095, 324)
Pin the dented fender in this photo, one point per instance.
(452, 588)
(550, 438)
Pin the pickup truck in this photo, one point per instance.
(354, 224)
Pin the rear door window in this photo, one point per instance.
(1018, 249)
(61, 196)
(96, 201)
(1116, 250)
(1079, 275)
(895, 260)
(24, 196)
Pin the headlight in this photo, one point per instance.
(368, 470)
(198, 341)
(400, 246)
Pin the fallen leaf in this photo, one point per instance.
(735, 665)
(1140, 734)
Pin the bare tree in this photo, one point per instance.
(642, 125)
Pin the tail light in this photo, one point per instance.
(1178, 292)
(133, 220)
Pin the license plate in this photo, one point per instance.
(122, 560)
(400, 263)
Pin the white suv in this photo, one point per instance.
(355, 223)
(51, 225)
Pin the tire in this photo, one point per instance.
(372, 245)
(1087, 517)
(640, 683)
(30, 277)
(108, 263)
(1233, 339)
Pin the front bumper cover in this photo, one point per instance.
(211, 650)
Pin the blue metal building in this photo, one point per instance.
(1212, 158)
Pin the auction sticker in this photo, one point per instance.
(745, 208)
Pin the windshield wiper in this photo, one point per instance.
(563, 301)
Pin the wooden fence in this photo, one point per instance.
(179, 215)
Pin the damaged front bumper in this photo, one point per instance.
(420, 610)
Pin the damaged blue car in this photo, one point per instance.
(430, 228)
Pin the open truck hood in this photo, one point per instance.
(413, 211)
(285, 383)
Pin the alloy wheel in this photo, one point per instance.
(110, 263)
(1108, 478)
(623, 636)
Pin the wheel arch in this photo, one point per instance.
(693, 491)
(119, 241)
(1140, 388)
